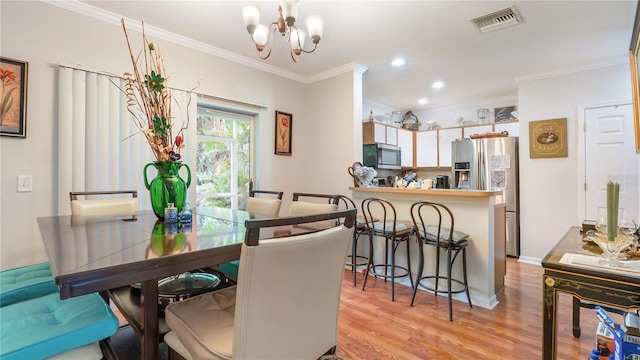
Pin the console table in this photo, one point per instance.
(612, 287)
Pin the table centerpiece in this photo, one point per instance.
(149, 103)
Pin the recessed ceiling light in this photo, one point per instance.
(422, 101)
(397, 62)
(437, 85)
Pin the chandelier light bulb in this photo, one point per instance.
(297, 40)
(260, 35)
(314, 26)
(289, 11)
(251, 17)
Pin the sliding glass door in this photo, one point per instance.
(223, 158)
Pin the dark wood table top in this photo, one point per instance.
(89, 254)
(572, 243)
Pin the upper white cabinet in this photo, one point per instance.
(427, 148)
(392, 135)
(513, 127)
(445, 137)
(405, 141)
(373, 132)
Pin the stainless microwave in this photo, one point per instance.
(381, 156)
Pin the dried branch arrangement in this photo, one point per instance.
(149, 101)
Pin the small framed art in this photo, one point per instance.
(13, 97)
(548, 138)
(504, 113)
(284, 123)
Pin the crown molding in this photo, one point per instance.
(113, 18)
(544, 75)
(347, 68)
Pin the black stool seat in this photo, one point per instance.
(434, 225)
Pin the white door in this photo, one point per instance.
(610, 155)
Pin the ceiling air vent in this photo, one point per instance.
(497, 20)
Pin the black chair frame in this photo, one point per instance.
(278, 194)
(355, 260)
(73, 195)
(392, 238)
(331, 199)
(450, 247)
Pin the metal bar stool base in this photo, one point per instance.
(372, 271)
(437, 280)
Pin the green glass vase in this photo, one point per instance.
(167, 187)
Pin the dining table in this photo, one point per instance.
(575, 266)
(108, 254)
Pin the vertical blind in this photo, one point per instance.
(99, 146)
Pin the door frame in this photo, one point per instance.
(582, 212)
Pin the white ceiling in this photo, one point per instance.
(436, 38)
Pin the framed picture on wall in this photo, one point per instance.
(548, 138)
(284, 123)
(504, 113)
(13, 97)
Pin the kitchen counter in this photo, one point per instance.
(435, 192)
(479, 213)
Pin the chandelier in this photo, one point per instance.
(262, 35)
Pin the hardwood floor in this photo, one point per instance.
(371, 326)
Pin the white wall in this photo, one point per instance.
(550, 188)
(45, 35)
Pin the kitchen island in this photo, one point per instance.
(479, 213)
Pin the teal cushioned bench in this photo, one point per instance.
(46, 326)
(26, 282)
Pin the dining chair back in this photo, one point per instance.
(313, 204)
(279, 309)
(265, 206)
(115, 204)
(435, 226)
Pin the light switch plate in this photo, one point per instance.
(25, 183)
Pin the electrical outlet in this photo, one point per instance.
(25, 183)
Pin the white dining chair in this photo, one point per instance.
(279, 309)
(313, 204)
(94, 203)
(264, 206)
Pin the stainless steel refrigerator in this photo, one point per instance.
(490, 164)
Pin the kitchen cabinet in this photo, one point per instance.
(512, 127)
(391, 135)
(445, 137)
(405, 142)
(427, 148)
(373, 132)
(477, 129)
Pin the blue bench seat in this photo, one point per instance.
(26, 282)
(45, 326)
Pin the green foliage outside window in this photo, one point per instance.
(221, 141)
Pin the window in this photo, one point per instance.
(223, 158)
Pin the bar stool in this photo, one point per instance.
(394, 232)
(355, 260)
(431, 220)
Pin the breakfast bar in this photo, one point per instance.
(479, 213)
